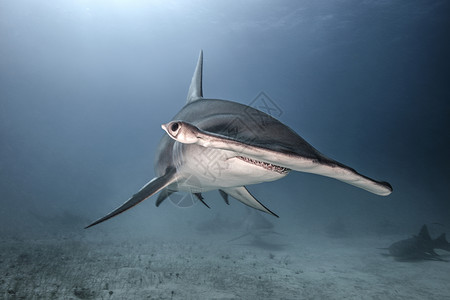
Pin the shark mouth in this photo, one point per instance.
(265, 165)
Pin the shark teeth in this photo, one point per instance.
(265, 165)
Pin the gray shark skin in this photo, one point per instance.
(214, 144)
(419, 247)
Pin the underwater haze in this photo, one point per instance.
(86, 85)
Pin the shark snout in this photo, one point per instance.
(182, 132)
(172, 128)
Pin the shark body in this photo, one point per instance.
(419, 247)
(219, 144)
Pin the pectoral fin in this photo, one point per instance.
(155, 185)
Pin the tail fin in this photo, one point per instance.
(441, 243)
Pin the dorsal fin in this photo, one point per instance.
(195, 89)
(424, 233)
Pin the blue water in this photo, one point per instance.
(85, 86)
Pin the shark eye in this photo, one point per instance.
(174, 127)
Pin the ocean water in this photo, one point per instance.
(86, 85)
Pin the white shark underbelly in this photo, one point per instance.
(203, 169)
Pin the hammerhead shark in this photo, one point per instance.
(418, 247)
(219, 144)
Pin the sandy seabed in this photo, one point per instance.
(304, 266)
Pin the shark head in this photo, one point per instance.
(213, 144)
